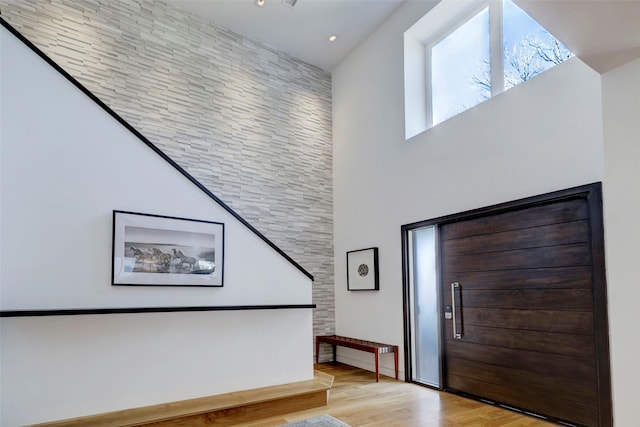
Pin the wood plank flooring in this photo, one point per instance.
(359, 401)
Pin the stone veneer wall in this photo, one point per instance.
(250, 123)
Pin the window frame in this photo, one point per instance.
(438, 21)
(496, 63)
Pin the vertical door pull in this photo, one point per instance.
(454, 286)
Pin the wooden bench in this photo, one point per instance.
(369, 346)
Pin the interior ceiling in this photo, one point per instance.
(603, 33)
(301, 31)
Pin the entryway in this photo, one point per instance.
(508, 304)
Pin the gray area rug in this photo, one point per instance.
(321, 421)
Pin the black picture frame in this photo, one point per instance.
(156, 250)
(362, 270)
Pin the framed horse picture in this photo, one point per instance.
(155, 250)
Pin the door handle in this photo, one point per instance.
(454, 286)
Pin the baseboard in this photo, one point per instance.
(368, 365)
(224, 409)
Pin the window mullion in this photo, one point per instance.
(495, 43)
(429, 91)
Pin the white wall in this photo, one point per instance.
(541, 136)
(66, 366)
(621, 110)
(65, 165)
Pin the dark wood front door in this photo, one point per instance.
(520, 287)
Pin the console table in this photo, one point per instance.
(369, 346)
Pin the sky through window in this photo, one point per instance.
(453, 60)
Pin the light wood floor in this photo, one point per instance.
(358, 400)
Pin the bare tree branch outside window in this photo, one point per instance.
(524, 60)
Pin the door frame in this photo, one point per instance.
(593, 195)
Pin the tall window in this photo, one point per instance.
(494, 49)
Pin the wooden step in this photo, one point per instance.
(222, 409)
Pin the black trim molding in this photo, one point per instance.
(85, 311)
(142, 138)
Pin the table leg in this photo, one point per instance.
(334, 352)
(317, 349)
(395, 361)
(377, 369)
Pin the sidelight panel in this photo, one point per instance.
(424, 307)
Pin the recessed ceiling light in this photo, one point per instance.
(259, 3)
(332, 37)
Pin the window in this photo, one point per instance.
(472, 50)
(527, 48)
(461, 54)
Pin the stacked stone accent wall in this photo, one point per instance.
(250, 123)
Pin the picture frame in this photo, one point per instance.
(156, 250)
(362, 270)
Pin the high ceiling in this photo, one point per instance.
(301, 31)
(603, 33)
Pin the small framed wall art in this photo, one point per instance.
(362, 270)
(153, 250)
